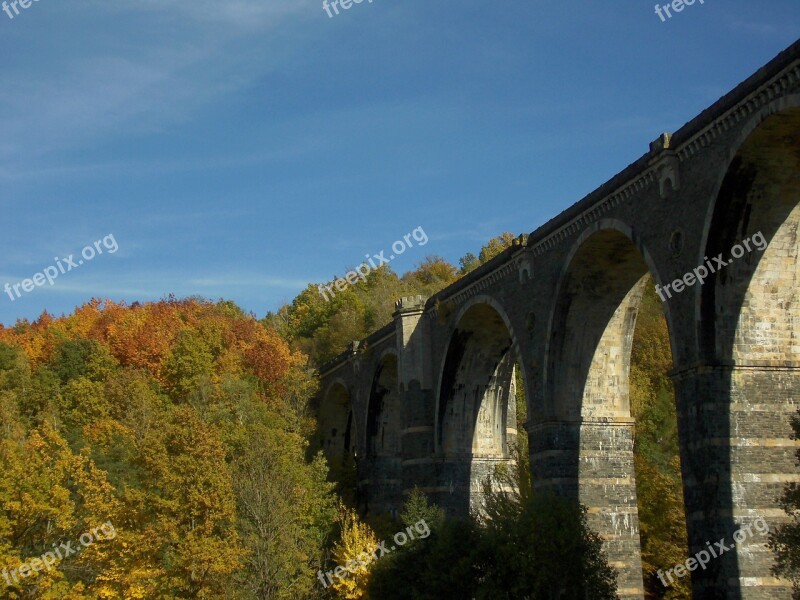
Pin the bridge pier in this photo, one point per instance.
(419, 467)
(736, 459)
(380, 483)
(591, 460)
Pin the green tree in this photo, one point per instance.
(83, 401)
(562, 557)
(15, 371)
(189, 364)
(417, 508)
(446, 563)
(286, 511)
(538, 548)
(82, 358)
(468, 262)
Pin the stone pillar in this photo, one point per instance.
(382, 484)
(418, 400)
(591, 460)
(736, 456)
(413, 342)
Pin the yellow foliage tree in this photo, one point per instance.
(354, 553)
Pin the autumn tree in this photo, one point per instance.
(432, 275)
(353, 553)
(183, 423)
(495, 246)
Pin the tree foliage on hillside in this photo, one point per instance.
(322, 326)
(183, 423)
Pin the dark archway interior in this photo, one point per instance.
(476, 423)
(336, 427)
(380, 475)
(384, 416)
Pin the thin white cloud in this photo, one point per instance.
(254, 281)
(161, 285)
(137, 84)
(156, 166)
(754, 28)
(245, 14)
(95, 96)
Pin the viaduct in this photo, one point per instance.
(425, 400)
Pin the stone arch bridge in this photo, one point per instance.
(425, 400)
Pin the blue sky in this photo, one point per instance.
(244, 148)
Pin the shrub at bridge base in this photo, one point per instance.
(539, 548)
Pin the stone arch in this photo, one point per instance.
(463, 308)
(382, 465)
(589, 335)
(758, 191)
(784, 104)
(475, 421)
(336, 424)
(585, 450)
(384, 416)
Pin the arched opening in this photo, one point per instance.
(605, 417)
(737, 407)
(593, 328)
(337, 437)
(384, 418)
(751, 307)
(384, 427)
(476, 419)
